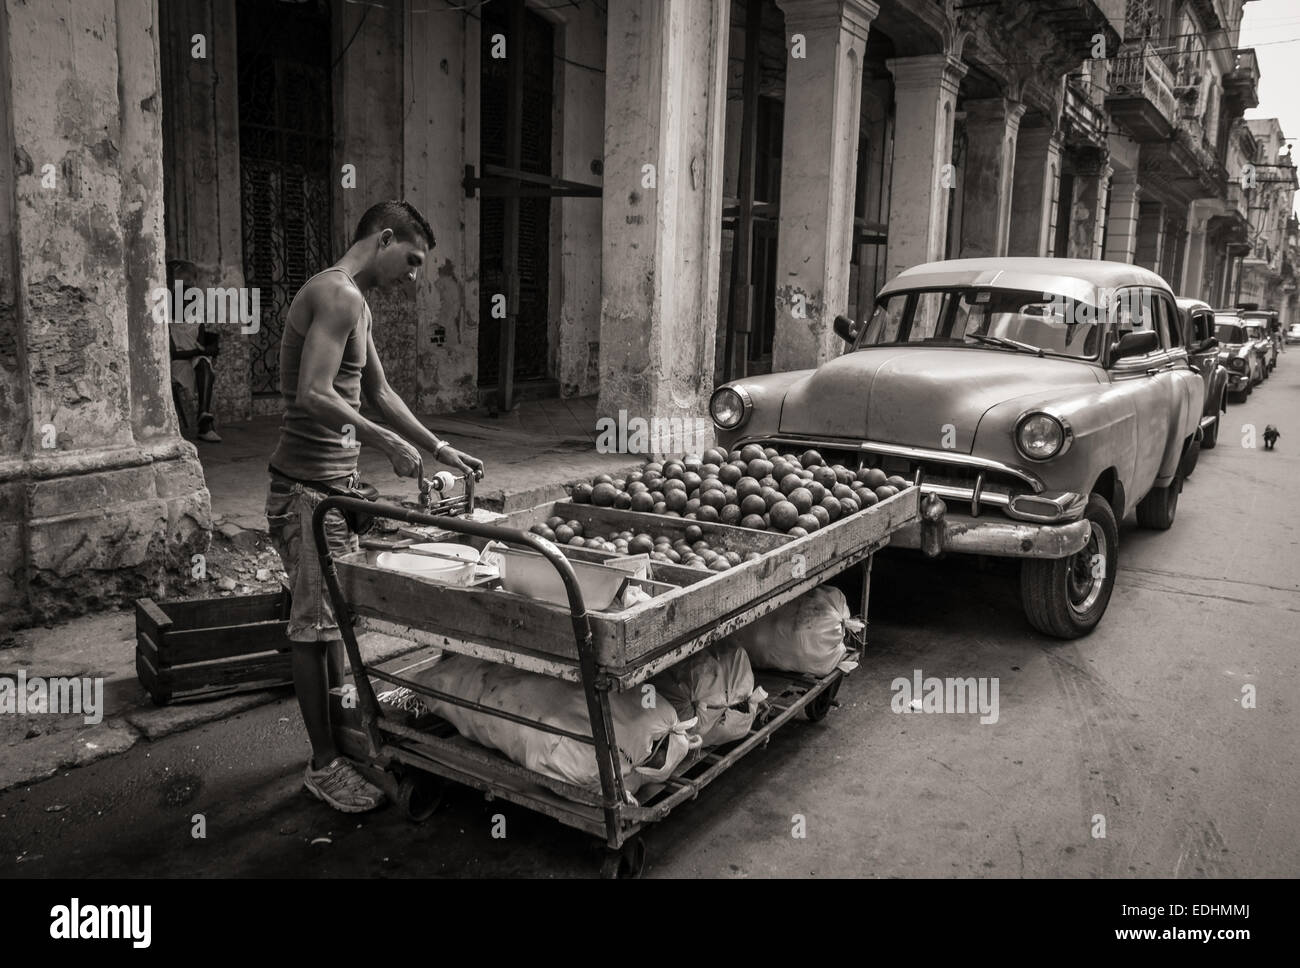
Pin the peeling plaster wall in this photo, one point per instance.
(75, 310)
(142, 216)
(368, 135)
(440, 137)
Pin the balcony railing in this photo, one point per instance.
(1139, 72)
(1246, 66)
(1242, 82)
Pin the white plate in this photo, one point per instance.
(423, 566)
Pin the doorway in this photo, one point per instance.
(516, 112)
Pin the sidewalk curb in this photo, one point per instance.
(45, 756)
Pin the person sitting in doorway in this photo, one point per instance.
(193, 347)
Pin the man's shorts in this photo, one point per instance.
(289, 508)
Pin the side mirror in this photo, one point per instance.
(1211, 343)
(1136, 344)
(846, 329)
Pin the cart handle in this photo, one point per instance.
(597, 705)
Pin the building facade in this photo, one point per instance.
(632, 198)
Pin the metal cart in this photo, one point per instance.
(411, 758)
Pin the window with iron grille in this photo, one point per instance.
(285, 127)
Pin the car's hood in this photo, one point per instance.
(912, 395)
(1231, 349)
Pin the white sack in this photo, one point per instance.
(715, 686)
(805, 635)
(643, 735)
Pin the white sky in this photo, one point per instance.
(1272, 27)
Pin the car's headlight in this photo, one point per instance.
(1040, 436)
(1238, 364)
(729, 407)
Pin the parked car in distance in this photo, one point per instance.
(1203, 354)
(1267, 351)
(1293, 334)
(1042, 399)
(1239, 353)
(1269, 329)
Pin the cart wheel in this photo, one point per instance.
(626, 863)
(819, 707)
(419, 796)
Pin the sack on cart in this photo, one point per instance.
(804, 636)
(715, 686)
(651, 742)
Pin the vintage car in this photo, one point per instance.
(1267, 320)
(1203, 353)
(1293, 334)
(1041, 399)
(1239, 353)
(1267, 351)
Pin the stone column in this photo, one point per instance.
(991, 127)
(1088, 212)
(925, 98)
(1122, 233)
(1033, 198)
(819, 163)
(665, 100)
(1150, 235)
(1195, 283)
(100, 500)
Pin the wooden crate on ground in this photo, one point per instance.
(211, 647)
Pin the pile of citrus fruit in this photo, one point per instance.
(754, 487)
(693, 550)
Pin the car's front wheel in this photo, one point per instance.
(1066, 597)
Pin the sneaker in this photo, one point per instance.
(207, 429)
(342, 787)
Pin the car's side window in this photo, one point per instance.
(1175, 324)
(1204, 326)
(1160, 309)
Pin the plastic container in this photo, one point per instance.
(529, 574)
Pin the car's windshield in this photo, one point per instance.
(1005, 318)
(1254, 332)
(1229, 333)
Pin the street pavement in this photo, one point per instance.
(1136, 751)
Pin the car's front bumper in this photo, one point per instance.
(1238, 381)
(999, 536)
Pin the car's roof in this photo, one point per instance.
(1076, 278)
(1190, 302)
